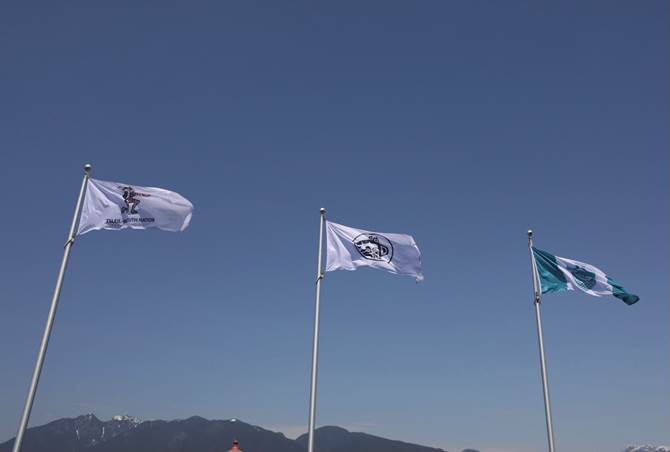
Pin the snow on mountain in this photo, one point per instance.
(647, 448)
(126, 418)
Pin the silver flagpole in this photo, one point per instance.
(50, 319)
(543, 363)
(315, 345)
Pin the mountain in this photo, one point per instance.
(196, 434)
(336, 439)
(87, 433)
(73, 434)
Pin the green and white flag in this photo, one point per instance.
(557, 274)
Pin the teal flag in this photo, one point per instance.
(557, 274)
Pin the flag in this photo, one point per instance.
(350, 248)
(557, 274)
(113, 205)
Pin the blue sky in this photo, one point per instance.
(461, 123)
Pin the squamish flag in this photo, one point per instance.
(557, 274)
(350, 248)
(113, 205)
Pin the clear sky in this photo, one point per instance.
(461, 123)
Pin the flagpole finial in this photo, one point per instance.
(87, 168)
(322, 210)
(530, 233)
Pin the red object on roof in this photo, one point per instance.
(236, 447)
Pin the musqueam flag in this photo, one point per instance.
(114, 205)
(350, 248)
(557, 274)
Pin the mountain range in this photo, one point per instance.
(87, 433)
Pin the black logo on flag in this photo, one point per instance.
(584, 277)
(131, 198)
(374, 247)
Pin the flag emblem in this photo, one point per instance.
(583, 277)
(349, 248)
(131, 199)
(374, 247)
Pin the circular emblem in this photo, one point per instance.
(584, 277)
(374, 247)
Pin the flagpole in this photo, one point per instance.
(52, 314)
(543, 363)
(315, 345)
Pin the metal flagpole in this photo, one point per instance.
(543, 363)
(50, 319)
(315, 345)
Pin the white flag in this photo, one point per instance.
(350, 248)
(113, 205)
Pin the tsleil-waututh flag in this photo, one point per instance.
(114, 205)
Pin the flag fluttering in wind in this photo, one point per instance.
(350, 248)
(347, 249)
(113, 205)
(557, 274)
(106, 205)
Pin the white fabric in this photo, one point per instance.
(350, 248)
(601, 287)
(113, 205)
